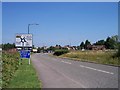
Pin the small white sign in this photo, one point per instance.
(23, 40)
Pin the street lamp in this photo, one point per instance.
(31, 24)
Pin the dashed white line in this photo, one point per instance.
(96, 69)
(66, 62)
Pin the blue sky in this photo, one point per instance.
(60, 23)
(60, 0)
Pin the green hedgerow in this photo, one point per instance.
(60, 52)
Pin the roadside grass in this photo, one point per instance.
(102, 57)
(25, 77)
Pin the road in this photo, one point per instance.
(64, 73)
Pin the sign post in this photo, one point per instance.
(24, 41)
(29, 60)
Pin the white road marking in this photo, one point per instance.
(96, 69)
(66, 62)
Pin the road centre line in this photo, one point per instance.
(96, 69)
(66, 62)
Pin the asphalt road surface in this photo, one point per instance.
(64, 73)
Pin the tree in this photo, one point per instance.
(60, 47)
(0, 45)
(100, 42)
(33, 46)
(87, 43)
(111, 43)
(8, 46)
(51, 48)
(115, 38)
(118, 53)
(107, 43)
(116, 42)
(38, 50)
(82, 45)
(78, 48)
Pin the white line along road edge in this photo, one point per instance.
(96, 69)
(66, 62)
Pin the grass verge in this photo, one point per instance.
(25, 77)
(101, 57)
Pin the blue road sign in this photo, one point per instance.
(25, 54)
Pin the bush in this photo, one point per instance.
(9, 66)
(118, 53)
(60, 52)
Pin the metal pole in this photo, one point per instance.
(22, 49)
(29, 61)
(28, 28)
(23, 45)
(27, 48)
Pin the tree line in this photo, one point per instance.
(109, 43)
(7, 46)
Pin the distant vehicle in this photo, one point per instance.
(34, 50)
(19, 49)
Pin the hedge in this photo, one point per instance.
(60, 52)
(10, 64)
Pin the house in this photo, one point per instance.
(70, 47)
(13, 50)
(45, 47)
(96, 47)
(58, 47)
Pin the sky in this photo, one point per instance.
(60, 0)
(64, 23)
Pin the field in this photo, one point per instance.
(102, 57)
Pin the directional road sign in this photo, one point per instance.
(25, 54)
(23, 40)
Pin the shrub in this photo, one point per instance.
(9, 66)
(118, 53)
(60, 52)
